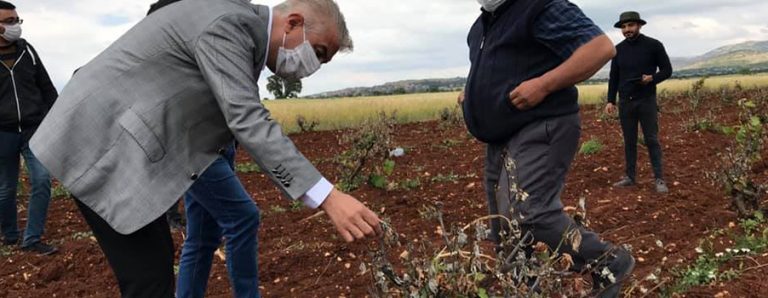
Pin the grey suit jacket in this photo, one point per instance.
(135, 127)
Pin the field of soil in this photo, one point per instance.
(305, 258)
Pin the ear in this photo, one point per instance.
(294, 20)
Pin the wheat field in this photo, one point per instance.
(338, 113)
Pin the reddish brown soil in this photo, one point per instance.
(307, 259)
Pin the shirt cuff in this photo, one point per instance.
(316, 195)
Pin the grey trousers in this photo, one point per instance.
(524, 179)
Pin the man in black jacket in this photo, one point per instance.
(634, 77)
(26, 95)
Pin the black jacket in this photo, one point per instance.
(26, 92)
(635, 58)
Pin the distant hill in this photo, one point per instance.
(746, 57)
(399, 87)
(744, 54)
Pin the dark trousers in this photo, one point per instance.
(524, 179)
(173, 213)
(644, 112)
(142, 261)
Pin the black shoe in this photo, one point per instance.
(607, 280)
(11, 242)
(40, 248)
(624, 182)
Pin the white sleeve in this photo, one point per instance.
(316, 195)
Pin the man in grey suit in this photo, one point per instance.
(136, 126)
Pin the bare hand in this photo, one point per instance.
(529, 94)
(460, 99)
(610, 108)
(647, 79)
(350, 217)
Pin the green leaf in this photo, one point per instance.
(389, 167)
(482, 293)
(479, 277)
(727, 130)
(759, 216)
(754, 121)
(378, 181)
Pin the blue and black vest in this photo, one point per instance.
(504, 53)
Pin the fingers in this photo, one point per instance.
(367, 223)
(373, 220)
(346, 235)
(358, 224)
(358, 229)
(351, 230)
(365, 228)
(519, 101)
(356, 232)
(352, 219)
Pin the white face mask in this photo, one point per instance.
(297, 63)
(491, 5)
(12, 32)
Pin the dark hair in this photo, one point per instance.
(158, 5)
(6, 5)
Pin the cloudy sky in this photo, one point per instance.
(394, 39)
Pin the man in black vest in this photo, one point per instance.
(520, 99)
(634, 77)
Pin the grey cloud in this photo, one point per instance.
(395, 39)
(614, 8)
(687, 24)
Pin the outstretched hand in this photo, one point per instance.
(350, 217)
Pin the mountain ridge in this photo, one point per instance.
(744, 57)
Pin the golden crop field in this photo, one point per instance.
(349, 112)
(591, 94)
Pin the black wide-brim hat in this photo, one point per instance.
(629, 16)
